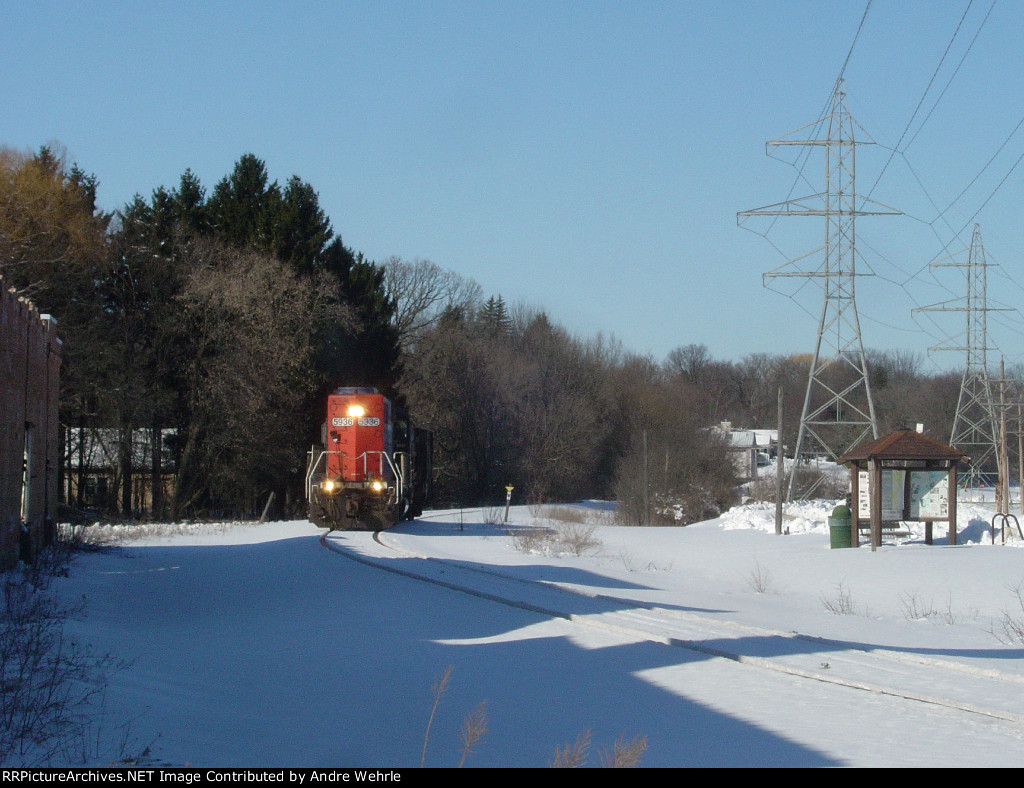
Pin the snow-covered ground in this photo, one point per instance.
(721, 643)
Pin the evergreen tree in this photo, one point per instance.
(366, 351)
(190, 207)
(494, 316)
(360, 346)
(301, 229)
(244, 206)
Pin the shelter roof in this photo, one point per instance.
(903, 445)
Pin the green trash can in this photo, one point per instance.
(839, 527)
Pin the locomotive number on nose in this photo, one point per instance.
(345, 421)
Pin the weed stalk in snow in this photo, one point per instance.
(624, 754)
(572, 755)
(473, 729)
(759, 579)
(841, 604)
(439, 688)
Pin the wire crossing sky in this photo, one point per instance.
(587, 158)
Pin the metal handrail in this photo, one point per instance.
(1005, 523)
(399, 476)
(314, 465)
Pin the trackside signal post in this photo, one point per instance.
(904, 476)
(508, 499)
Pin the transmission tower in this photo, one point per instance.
(838, 411)
(976, 429)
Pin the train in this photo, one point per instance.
(373, 466)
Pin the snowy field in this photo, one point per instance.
(720, 643)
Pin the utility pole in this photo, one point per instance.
(838, 411)
(1003, 497)
(1004, 471)
(780, 471)
(1020, 456)
(975, 428)
(647, 486)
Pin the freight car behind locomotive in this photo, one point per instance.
(373, 467)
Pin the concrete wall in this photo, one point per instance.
(30, 354)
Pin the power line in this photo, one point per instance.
(856, 35)
(903, 277)
(935, 73)
(993, 194)
(953, 75)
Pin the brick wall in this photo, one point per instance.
(29, 427)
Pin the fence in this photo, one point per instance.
(30, 354)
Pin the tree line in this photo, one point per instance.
(513, 398)
(216, 322)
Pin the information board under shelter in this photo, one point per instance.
(903, 476)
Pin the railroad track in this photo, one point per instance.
(939, 681)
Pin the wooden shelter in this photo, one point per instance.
(904, 476)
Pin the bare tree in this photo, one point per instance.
(422, 291)
(254, 324)
(672, 469)
(558, 411)
(688, 361)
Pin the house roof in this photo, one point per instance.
(747, 439)
(750, 439)
(903, 445)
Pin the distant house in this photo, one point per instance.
(98, 463)
(750, 449)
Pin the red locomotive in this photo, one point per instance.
(373, 466)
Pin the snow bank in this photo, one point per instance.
(974, 522)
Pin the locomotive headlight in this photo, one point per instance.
(328, 486)
(377, 485)
(356, 411)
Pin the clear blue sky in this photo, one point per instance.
(584, 157)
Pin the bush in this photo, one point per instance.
(813, 482)
(1010, 628)
(575, 538)
(51, 688)
(674, 476)
(842, 603)
(564, 514)
(532, 540)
